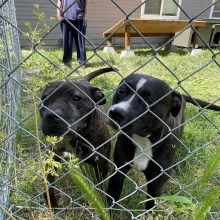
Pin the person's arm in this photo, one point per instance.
(59, 4)
(87, 10)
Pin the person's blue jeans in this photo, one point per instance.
(68, 34)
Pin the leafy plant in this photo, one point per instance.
(36, 83)
(86, 187)
(179, 204)
(212, 165)
(202, 209)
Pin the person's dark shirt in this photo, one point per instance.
(76, 9)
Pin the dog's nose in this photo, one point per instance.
(116, 115)
(54, 115)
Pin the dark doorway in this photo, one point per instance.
(216, 38)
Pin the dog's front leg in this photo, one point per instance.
(115, 184)
(53, 200)
(51, 179)
(155, 188)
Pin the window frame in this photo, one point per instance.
(212, 10)
(156, 16)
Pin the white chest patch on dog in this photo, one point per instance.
(142, 155)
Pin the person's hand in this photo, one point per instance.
(86, 17)
(59, 17)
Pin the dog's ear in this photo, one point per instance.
(98, 96)
(176, 103)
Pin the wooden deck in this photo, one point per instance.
(151, 28)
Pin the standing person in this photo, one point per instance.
(76, 12)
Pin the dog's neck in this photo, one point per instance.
(94, 120)
(160, 132)
(97, 127)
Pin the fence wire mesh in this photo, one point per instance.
(10, 94)
(21, 177)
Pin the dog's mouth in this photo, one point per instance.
(63, 130)
(54, 133)
(53, 130)
(124, 127)
(130, 127)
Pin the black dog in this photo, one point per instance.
(64, 111)
(148, 143)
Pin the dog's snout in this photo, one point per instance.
(116, 115)
(54, 115)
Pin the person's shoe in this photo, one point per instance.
(83, 65)
(67, 63)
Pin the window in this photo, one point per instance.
(160, 9)
(215, 11)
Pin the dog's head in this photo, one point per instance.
(137, 113)
(65, 105)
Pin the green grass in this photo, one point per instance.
(204, 85)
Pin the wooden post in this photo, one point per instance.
(127, 37)
(109, 42)
(195, 39)
(168, 47)
(172, 35)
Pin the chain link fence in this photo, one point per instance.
(10, 92)
(21, 159)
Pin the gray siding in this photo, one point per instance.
(24, 12)
(194, 7)
(103, 14)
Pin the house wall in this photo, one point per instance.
(194, 7)
(103, 14)
(24, 12)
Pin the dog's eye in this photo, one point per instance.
(121, 91)
(76, 98)
(150, 101)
